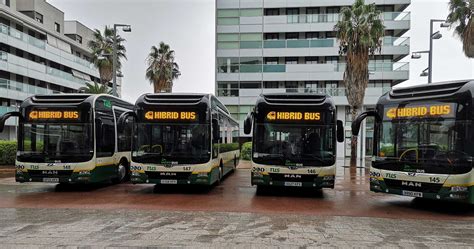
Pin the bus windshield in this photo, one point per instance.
(172, 143)
(55, 142)
(294, 145)
(426, 145)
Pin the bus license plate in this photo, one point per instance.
(293, 184)
(412, 193)
(168, 181)
(52, 180)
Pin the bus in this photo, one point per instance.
(294, 140)
(71, 138)
(424, 141)
(183, 139)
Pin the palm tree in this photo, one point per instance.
(102, 52)
(460, 14)
(95, 88)
(162, 70)
(359, 31)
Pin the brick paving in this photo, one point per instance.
(71, 228)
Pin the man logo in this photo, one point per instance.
(271, 116)
(292, 176)
(412, 174)
(411, 184)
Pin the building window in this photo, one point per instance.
(291, 36)
(38, 17)
(291, 84)
(311, 85)
(312, 35)
(79, 39)
(271, 36)
(6, 2)
(272, 12)
(270, 84)
(250, 85)
(271, 60)
(228, 65)
(57, 27)
(311, 60)
(291, 60)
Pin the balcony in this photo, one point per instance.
(16, 90)
(397, 71)
(324, 22)
(41, 48)
(234, 96)
(21, 66)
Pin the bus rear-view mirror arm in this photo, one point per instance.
(340, 131)
(6, 116)
(216, 134)
(358, 121)
(248, 123)
(123, 118)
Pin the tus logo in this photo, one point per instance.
(271, 116)
(149, 115)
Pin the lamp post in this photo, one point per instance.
(125, 28)
(433, 36)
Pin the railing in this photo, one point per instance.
(325, 67)
(61, 74)
(12, 32)
(328, 18)
(5, 109)
(314, 43)
(23, 87)
(335, 92)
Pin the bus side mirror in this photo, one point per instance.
(340, 131)
(358, 121)
(123, 119)
(215, 129)
(248, 124)
(6, 116)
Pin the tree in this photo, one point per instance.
(95, 88)
(102, 52)
(460, 14)
(162, 70)
(359, 31)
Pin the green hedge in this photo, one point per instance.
(246, 152)
(7, 152)
(229, 147)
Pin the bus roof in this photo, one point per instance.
(68, 99)
(296, 99)
(431, 91)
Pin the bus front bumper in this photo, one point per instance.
(454, 193)
(62, 176)
(294, 180)
(174, 178)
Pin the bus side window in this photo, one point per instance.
(106, 137)
(125, 137)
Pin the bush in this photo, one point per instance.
(7, 152)
(246, 153)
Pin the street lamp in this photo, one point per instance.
(125, 28)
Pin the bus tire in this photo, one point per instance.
(221, 174)
(122, 172)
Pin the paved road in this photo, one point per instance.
(230, 214)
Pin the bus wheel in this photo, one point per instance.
(121, 173)
(221, 173)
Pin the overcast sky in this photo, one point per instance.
(188, 26)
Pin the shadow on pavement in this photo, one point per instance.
(438, 206)
(65, 187)
(182, 189)
(290, 192)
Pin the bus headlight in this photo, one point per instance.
(458, 189)
(257, 174)
(202, 174)
(328, 178)
(84, 172)
(135, 173)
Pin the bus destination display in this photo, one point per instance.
(54, 115)
(290, 116)
(421, 111)
(170, 116)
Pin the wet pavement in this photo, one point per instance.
(229, 214)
